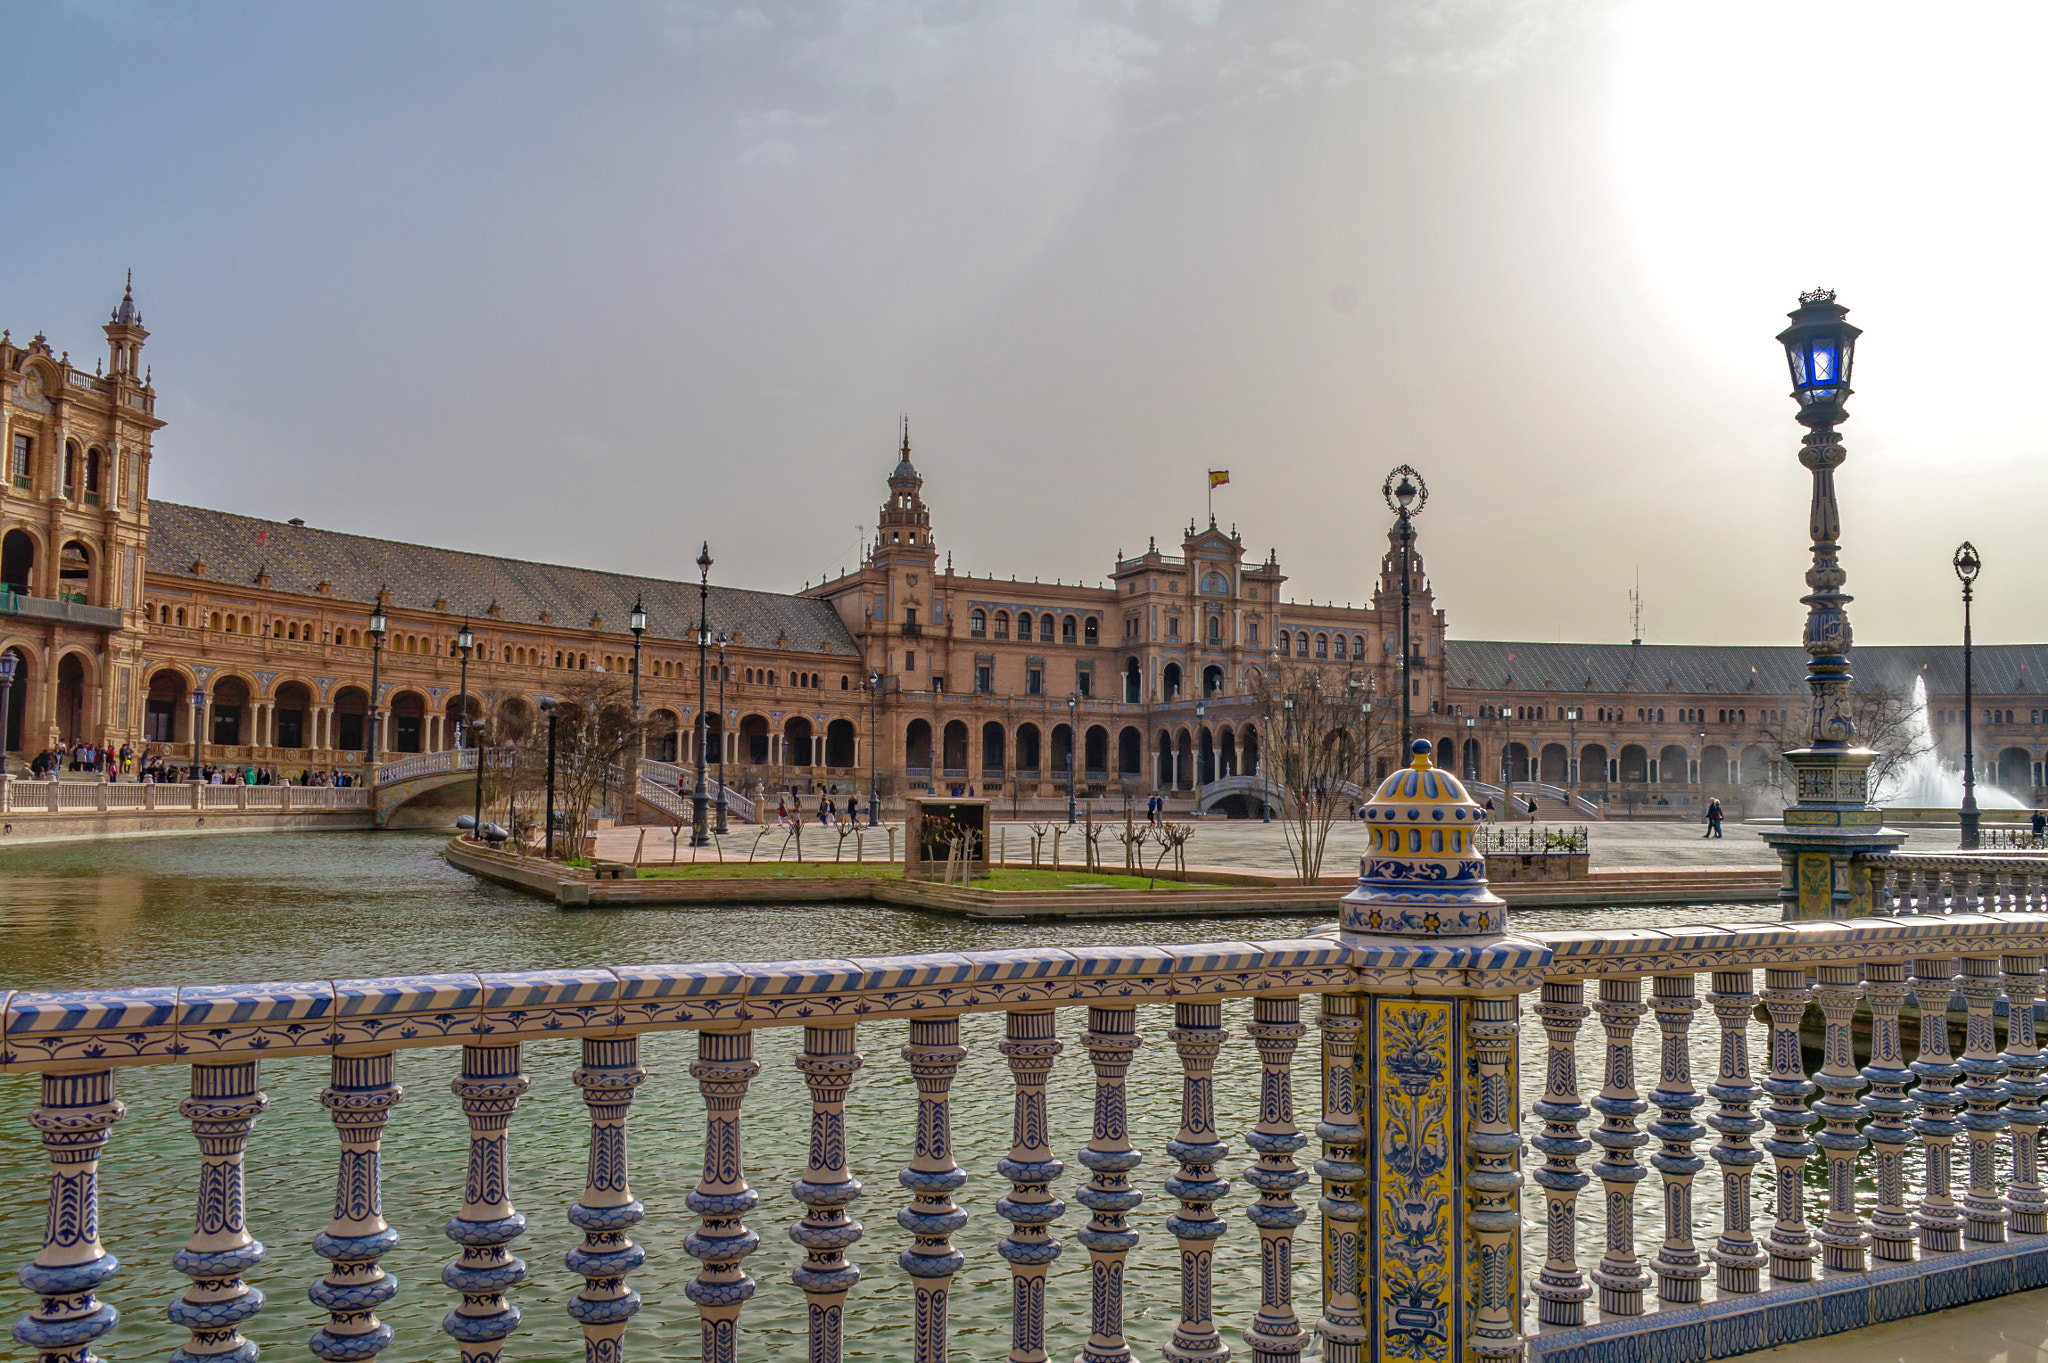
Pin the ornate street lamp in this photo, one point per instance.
(198, 714)
(476, 739)
(637, 622)
(1967, 565)
(874, 692)
(378, 624)
(699, 828)
(465, 643)
(1472, 766)
(547, 704)
(1573, 714)
(7, 665)
(1073, 749)
(1406, 494)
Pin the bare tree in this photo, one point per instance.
(1883, 716)
(1317, 741)
(595, 731)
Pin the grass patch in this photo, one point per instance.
(1041, 878)
(772, 870)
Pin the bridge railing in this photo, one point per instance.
(76, 797)
(1422, 1067)
(676, 781)
(415, 765)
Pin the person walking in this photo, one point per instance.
(1713, 820)
(2040, 825)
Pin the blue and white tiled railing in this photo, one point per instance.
(1420, 1108)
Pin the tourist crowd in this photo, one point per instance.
(151, 765)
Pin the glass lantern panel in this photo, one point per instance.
(1796, 353)
(1824, 359)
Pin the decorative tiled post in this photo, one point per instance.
(1842, 1237)
(360, 1095)
(1031, 1045)
(607, 1211)
(724, 1067)
(1620, 1276)
(223, 1108)
(1561, 1285)
(1437, 1253)
(1198, 1036)
(1984, 1216)
(1891, 1224)
(1275, 1334)
(1342, 1324)
(1790, 1243)
(490, 1086)
(1738, 1260)
(73, 1118)
(1111, 1039)
(1677, 1262)
(829, 1062)
(933, 1176)
(1939, 1219)
(2024, 1089)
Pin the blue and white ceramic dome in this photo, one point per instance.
(1424, 876)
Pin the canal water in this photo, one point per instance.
(336, 905)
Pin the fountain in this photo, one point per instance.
(1930, 782)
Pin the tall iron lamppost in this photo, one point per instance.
(1073, 749)
(7, 665)
(1406, 494)
(548, 704)
(198, 716)
(874, 692)
(465, 643)
(1967, 565)
(476, 740)
(699, 826)
(722, 641)
(378, 624)
(1831, 820)
(637, 622)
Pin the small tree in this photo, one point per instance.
(595, 731)
(1884, 720)
(1316, 746)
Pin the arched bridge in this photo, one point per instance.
(1251, 792)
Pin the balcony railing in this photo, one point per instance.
(1423, 1066)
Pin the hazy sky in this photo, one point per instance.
(593, 282)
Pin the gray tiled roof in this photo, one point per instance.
(298, 557)
(2000, 669)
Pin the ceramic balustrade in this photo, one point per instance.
(1430, 1113)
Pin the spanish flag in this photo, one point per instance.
(1218, 477)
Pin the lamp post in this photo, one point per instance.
(378, 624)
(198, 714)
(874, 690)
(1472, 767)
(548, 704)
(1406, 494)
(1201, 713)
(7, 665)
(1073, 749)
(1571, 715)
(476, 740)
(637, 622)
(699, 827)
(1967, 564)
(1507, 754)
(465, 643)
(722, 641)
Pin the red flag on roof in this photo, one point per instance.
(262, 535)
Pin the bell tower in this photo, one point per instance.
(125, 336)
(906, 524)
(906, 614)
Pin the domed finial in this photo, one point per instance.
(127, 314)
(1422, 749)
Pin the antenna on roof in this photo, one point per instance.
(1635, 608)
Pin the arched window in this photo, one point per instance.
(1002, 624)
(1340, 646)
(1067, 630)
(977, 624)
(1024, 625)
(1286, 641)
(1322, 645)
(93, 460)
(71, 471)
(1215, 629)
(1358, 646)
(1091, 631)
(1045, 628)
(1301, 644)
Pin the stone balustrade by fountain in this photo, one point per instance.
(1421, 1117)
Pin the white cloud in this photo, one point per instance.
(768, 153)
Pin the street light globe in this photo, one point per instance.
(1405, 491)
(464, 640)
(704, 559)
(1820, 349)
(637, 622)
(1967, 564)
(377, 622)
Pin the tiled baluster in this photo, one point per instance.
(1927, 894)
(1111, 1039)
(2024, 1089)
(1275, 1334)
(1883, 887)
(1677, 1262)
(1984, 1216)
(1493, 1181)
(360, 1095)
(723, 1068)
(934, 1055)
(1620, 1276)
(1790, 1244)
(1945, 892)
(73, 1118)
(607, 1211)
(2001, 890)
(829, 1062)
(222, 1109)
(1842, 1236)
(1561, 1286)
(1030, 1045)
(489, 1086)
(1198, 1036)
(1939, 1219)
(1891, 1224)
(1342, 1326)
(1739, 1260)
